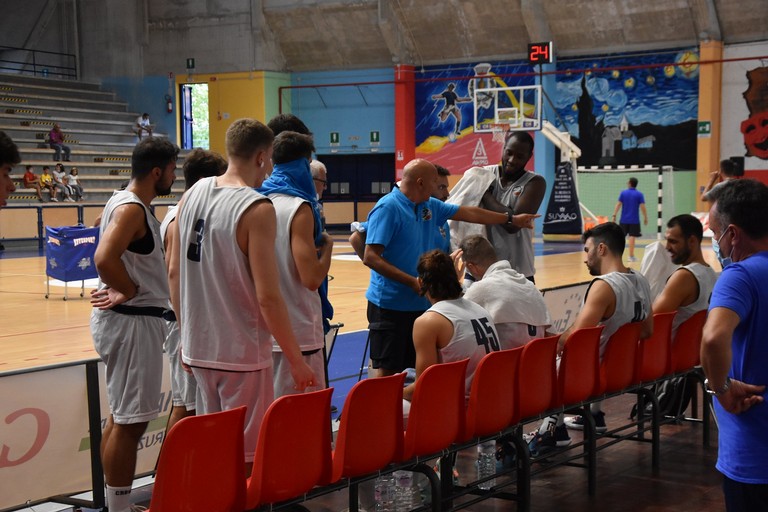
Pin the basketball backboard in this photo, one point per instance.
(516, 108)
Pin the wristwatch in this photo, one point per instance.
(510, 221)
(718, 392)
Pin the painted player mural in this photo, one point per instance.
(621, 110)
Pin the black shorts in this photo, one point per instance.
(391, 336)
(631, 229)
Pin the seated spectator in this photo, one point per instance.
(32, 181)
(56, 141)
(690, 286)
(143, 125)
(74, 184)
(59, 177)
(453, 328)
(46, 182)
(618, 295)
(516, 305)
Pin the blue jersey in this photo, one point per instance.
(743, 444)
(406, 230)
(631, 199)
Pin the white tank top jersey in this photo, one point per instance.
(517, 248)
(146, 270)
(633, 302)
(170, 216)
(706, 277)
(304, 309)
(221, 323)
(474, 334)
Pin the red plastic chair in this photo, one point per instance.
(492, 405)
(201, 465)
(617, 369)
(653, 354)
(687, 343)
(370, 433)
(578, 377)
(436, 419)
(535, 391)
(293, 453)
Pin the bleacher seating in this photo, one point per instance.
(97, 127)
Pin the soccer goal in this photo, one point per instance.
(599, 188)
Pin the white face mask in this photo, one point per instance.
(724, 262)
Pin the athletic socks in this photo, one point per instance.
(119, 499)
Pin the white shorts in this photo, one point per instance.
(183, 384)
(220, 390)
(283, 379)
(132, 350)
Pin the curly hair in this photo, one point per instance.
(438, 276)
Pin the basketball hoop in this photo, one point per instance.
(499, 131)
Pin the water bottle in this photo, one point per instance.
(405, 491)
(384, 493)
(486, 463)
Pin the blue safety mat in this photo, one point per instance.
(344, 363)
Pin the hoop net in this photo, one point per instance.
(499, 131)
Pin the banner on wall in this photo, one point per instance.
(44, 440)
(563, 215)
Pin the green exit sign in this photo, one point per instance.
(335, 138)
(375, 137)
(704, 128)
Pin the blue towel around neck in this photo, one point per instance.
(295, 179)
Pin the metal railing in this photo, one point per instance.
(38, 63)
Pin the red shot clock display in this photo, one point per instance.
(540, 53)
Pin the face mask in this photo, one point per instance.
(724, 262)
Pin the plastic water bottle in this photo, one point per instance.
(486, 463)
(405, 491)
(384, 493)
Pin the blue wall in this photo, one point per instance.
(147, 95)
(352, 111)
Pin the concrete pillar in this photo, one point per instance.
(710, 99)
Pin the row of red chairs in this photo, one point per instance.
(201, 467)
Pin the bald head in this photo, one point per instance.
(419, 180)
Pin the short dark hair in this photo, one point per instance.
(290, 146)
(287, 123)
(633, 182)
(688, 224)
(9, 153)
(743, 203)
(730, 168)
(609, 234)
(200, 163)
(477, 249)
(521, 136)
(28, 167)
(152, 152)
(442, 171)
(438, 276)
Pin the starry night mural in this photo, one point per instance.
(631, 110)
(624, 109)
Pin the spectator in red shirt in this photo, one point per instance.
(56, 141)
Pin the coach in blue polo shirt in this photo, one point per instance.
(401, 228)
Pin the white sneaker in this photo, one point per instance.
(54, 200)
(69, 200)
(632, 259)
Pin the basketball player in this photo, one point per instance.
(127, 322)
(197, 165)
(300, 239)
(224, 284)
(450, 107)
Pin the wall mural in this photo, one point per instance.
(755, 128)
(621, 110)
